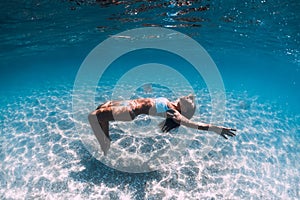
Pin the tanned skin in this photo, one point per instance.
(128, 110)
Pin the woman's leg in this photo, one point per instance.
(99, 121)
(101, 132)
(105, 128)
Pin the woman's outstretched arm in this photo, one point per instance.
(180, 119)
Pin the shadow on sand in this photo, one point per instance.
(96, 172)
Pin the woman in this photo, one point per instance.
(176, 113)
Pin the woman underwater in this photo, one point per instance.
(176, 113)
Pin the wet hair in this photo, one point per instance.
(169, 124)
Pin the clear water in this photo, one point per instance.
(255, 45)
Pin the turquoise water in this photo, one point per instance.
(255, 45)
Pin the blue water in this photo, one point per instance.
(255, 45)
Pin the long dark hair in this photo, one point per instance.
(168, 124)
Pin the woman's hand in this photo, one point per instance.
(223, 131)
